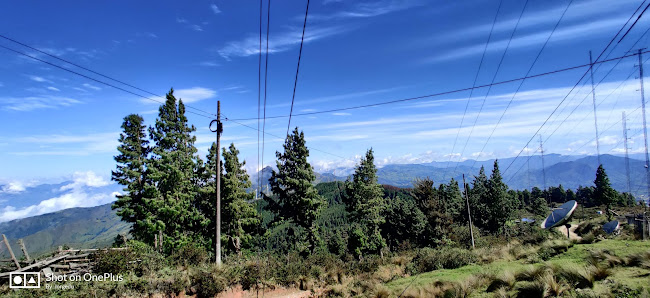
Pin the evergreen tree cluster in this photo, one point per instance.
(168, 188)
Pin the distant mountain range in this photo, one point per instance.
(92, 227)
(521, 173)
(98, 226)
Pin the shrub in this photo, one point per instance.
(190, 254)
(208, 283)
(428, 259)
(587, 238)
(113, 261)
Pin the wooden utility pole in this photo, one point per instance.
(469, 214)
(218, 190)
(11, 252)
(22, 246)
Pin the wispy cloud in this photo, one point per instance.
(279, 42)
(24, 104)
(215, 9)
(338, 97)
(189, 95)
(189, 25)
(53, 88)
(368, 9)
(576, 13)
(69, 145)
(209, 64)
(89, 86)
(39, 79)
(341, 114)
(579, 31)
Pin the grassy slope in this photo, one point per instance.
(76, 227)
(576, 255)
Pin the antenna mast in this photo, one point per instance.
(627, 159)
(593, 96)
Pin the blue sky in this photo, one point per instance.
(57, 125)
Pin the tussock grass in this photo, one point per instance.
(504, 281)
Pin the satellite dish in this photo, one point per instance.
(611, 226)
(560, 216)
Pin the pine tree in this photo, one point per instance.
(133, 206)
(294, 197)
(453, 201)
(173, 170)
(500, 206)
(240, 219)
(604, 194)
(478, 197)
(207, 195)
(365, 203)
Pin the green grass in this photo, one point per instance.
(576, 256)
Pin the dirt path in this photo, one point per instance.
(572, 234)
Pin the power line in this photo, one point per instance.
(574, 86)
(599, 82)
(89, 70)
(637, 19)
(259, 96)
(610, 52)
(445, 92)
(266, 77)
(503, 56)
(478, 71)
(295, 83)
(602, 101)
(584, 144)
(96, 80)
(528, 72)
(278, 137)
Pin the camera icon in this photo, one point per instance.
(24, 280)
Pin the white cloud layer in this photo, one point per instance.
(79, 193)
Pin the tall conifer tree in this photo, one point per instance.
(133, 206)
(294, 197)
(365, 202)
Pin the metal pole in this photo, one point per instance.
(627, 159)
(469, 215)
(541, 149)
(645, 132)
(593, 95)
(219, 129)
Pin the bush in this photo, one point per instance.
(462, 236)
(428, 259)
(138, 258)
(208, 283)
(190, 255)
(113, 261)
